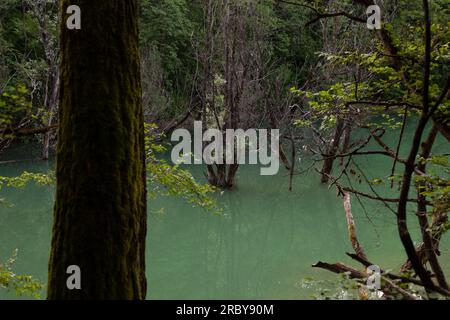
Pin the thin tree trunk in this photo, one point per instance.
(346, 142)
(53, 104)
(331, 153)
(100, 211)
(410, 165)
(351, 226)
(429, 246)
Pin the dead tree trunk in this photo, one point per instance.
(52, 107)
(330, 156)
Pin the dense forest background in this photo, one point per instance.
(312, 69)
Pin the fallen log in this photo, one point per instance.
(22, 132)
(340, 268)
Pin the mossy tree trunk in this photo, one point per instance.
(100, 210)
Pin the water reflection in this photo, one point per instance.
(260, 248)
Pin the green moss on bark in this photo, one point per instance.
(100, 210)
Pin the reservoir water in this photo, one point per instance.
(261, 247)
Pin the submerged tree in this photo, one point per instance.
(100, 210)
(409, 82)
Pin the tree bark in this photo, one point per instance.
(100, 211)
(410, 165)
(346, 141)
(331, 153)
(429, 245)
(359, 250)
(53, 105)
